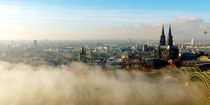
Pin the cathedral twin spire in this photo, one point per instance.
(163, 38)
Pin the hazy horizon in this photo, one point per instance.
(94, 19)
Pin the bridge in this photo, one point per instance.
(200, 79)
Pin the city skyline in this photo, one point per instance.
(94, 19)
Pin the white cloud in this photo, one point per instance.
(188, 20)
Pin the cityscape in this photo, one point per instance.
(111, 54)
(104, 52)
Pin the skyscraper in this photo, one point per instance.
(192, 42)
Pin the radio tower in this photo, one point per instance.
(205, 37)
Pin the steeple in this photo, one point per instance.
(170, 37)
(162, 38)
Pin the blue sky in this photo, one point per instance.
(102, 19)
(187, 5)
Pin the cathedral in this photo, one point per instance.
(166, 49)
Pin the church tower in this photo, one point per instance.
(170, 37)
(82, 55)
(167, 51)
(162, 37)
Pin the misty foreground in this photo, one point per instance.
(79, 84)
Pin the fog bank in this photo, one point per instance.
(79, 84)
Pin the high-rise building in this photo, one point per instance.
(35, 42)
(145, 48)
(167, 51)
(192, 42)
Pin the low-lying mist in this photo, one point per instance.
(79, 84)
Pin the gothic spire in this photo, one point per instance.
(162, 38)
(170, 37)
